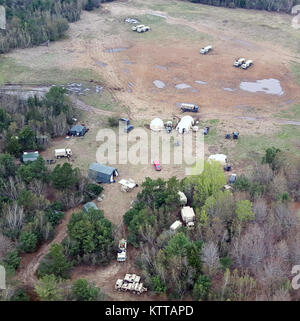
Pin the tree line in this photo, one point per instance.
(31, 23)
(270, 5)
(245, 240)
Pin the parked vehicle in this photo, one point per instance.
(238, 62)
(189, 108)
(247, 64)
(131, 283)
(188, 216)
(175, 226)
(64, 152)
(121, 256)
(128, 128)
(235, 135)
(157, 165)
(140, 28)
(232, 179)
(206, 130)
(205, 50)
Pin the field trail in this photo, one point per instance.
(30, 262)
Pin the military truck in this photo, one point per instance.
(238, 62)
(140, 28)
(247, 64)
(131, 283)
(205, 50)
(189, 108)
(63, 152)
(188, 216)
(121, 256)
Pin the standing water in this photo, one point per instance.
(268, 86)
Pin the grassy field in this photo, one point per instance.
(257, 25)
(14, 72)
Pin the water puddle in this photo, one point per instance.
(101, 64)
(200, 82)
(113, 50)
(268, 86)
(161, 67)
(159, 84)
(182, 86)
(228, 89)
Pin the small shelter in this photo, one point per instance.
(221, 158)
(102, 173)
(185, 124)
(157, 125)
(77, 130)
(90, 205)
(29, 156)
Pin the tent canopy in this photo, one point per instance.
(185, 124)
(101, 173)
(157, 124)
(221, 158)
(30, 156)
(87, 206)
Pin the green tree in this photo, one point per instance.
(34, 170)
(13, 259)
(244, 211)
(28, 241)
(27, 138)
(13, 146)
(47, 288)
(56, 99)
(158, 285)
(7, 166)
(20, 295)
(202, 288)
(90, 237)
(5, 120)
(211, 180)
(64, 176)
(55, 263)
(82, 290)
(270, 156)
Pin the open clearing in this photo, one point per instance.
(145, 75)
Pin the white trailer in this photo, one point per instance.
(64, 152)
(205, 50)
(188, 216)
(247, 64)
(175, 226)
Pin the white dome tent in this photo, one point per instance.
(157, 124)
(221, 158)
(185, 124)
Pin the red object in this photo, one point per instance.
(157, 165)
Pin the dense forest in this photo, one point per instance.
(244, 243)
(270, 5)
(34, 22)
(34, 196)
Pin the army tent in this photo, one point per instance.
(102, 173)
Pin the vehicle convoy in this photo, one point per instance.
(205, 50)
(238, 62)
(121, 256)
(247, 64)
(64, 152)
(140, 28)
(131, 283)
(188, 216)
(189, 108)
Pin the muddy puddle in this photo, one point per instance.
(161, 67)
(101, 64)
(200, 82)
(228, 89)
(159, 84)
(268, 86)
(182, 86)
(113, 50)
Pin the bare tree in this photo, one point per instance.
(210, 257)
(14, 217)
